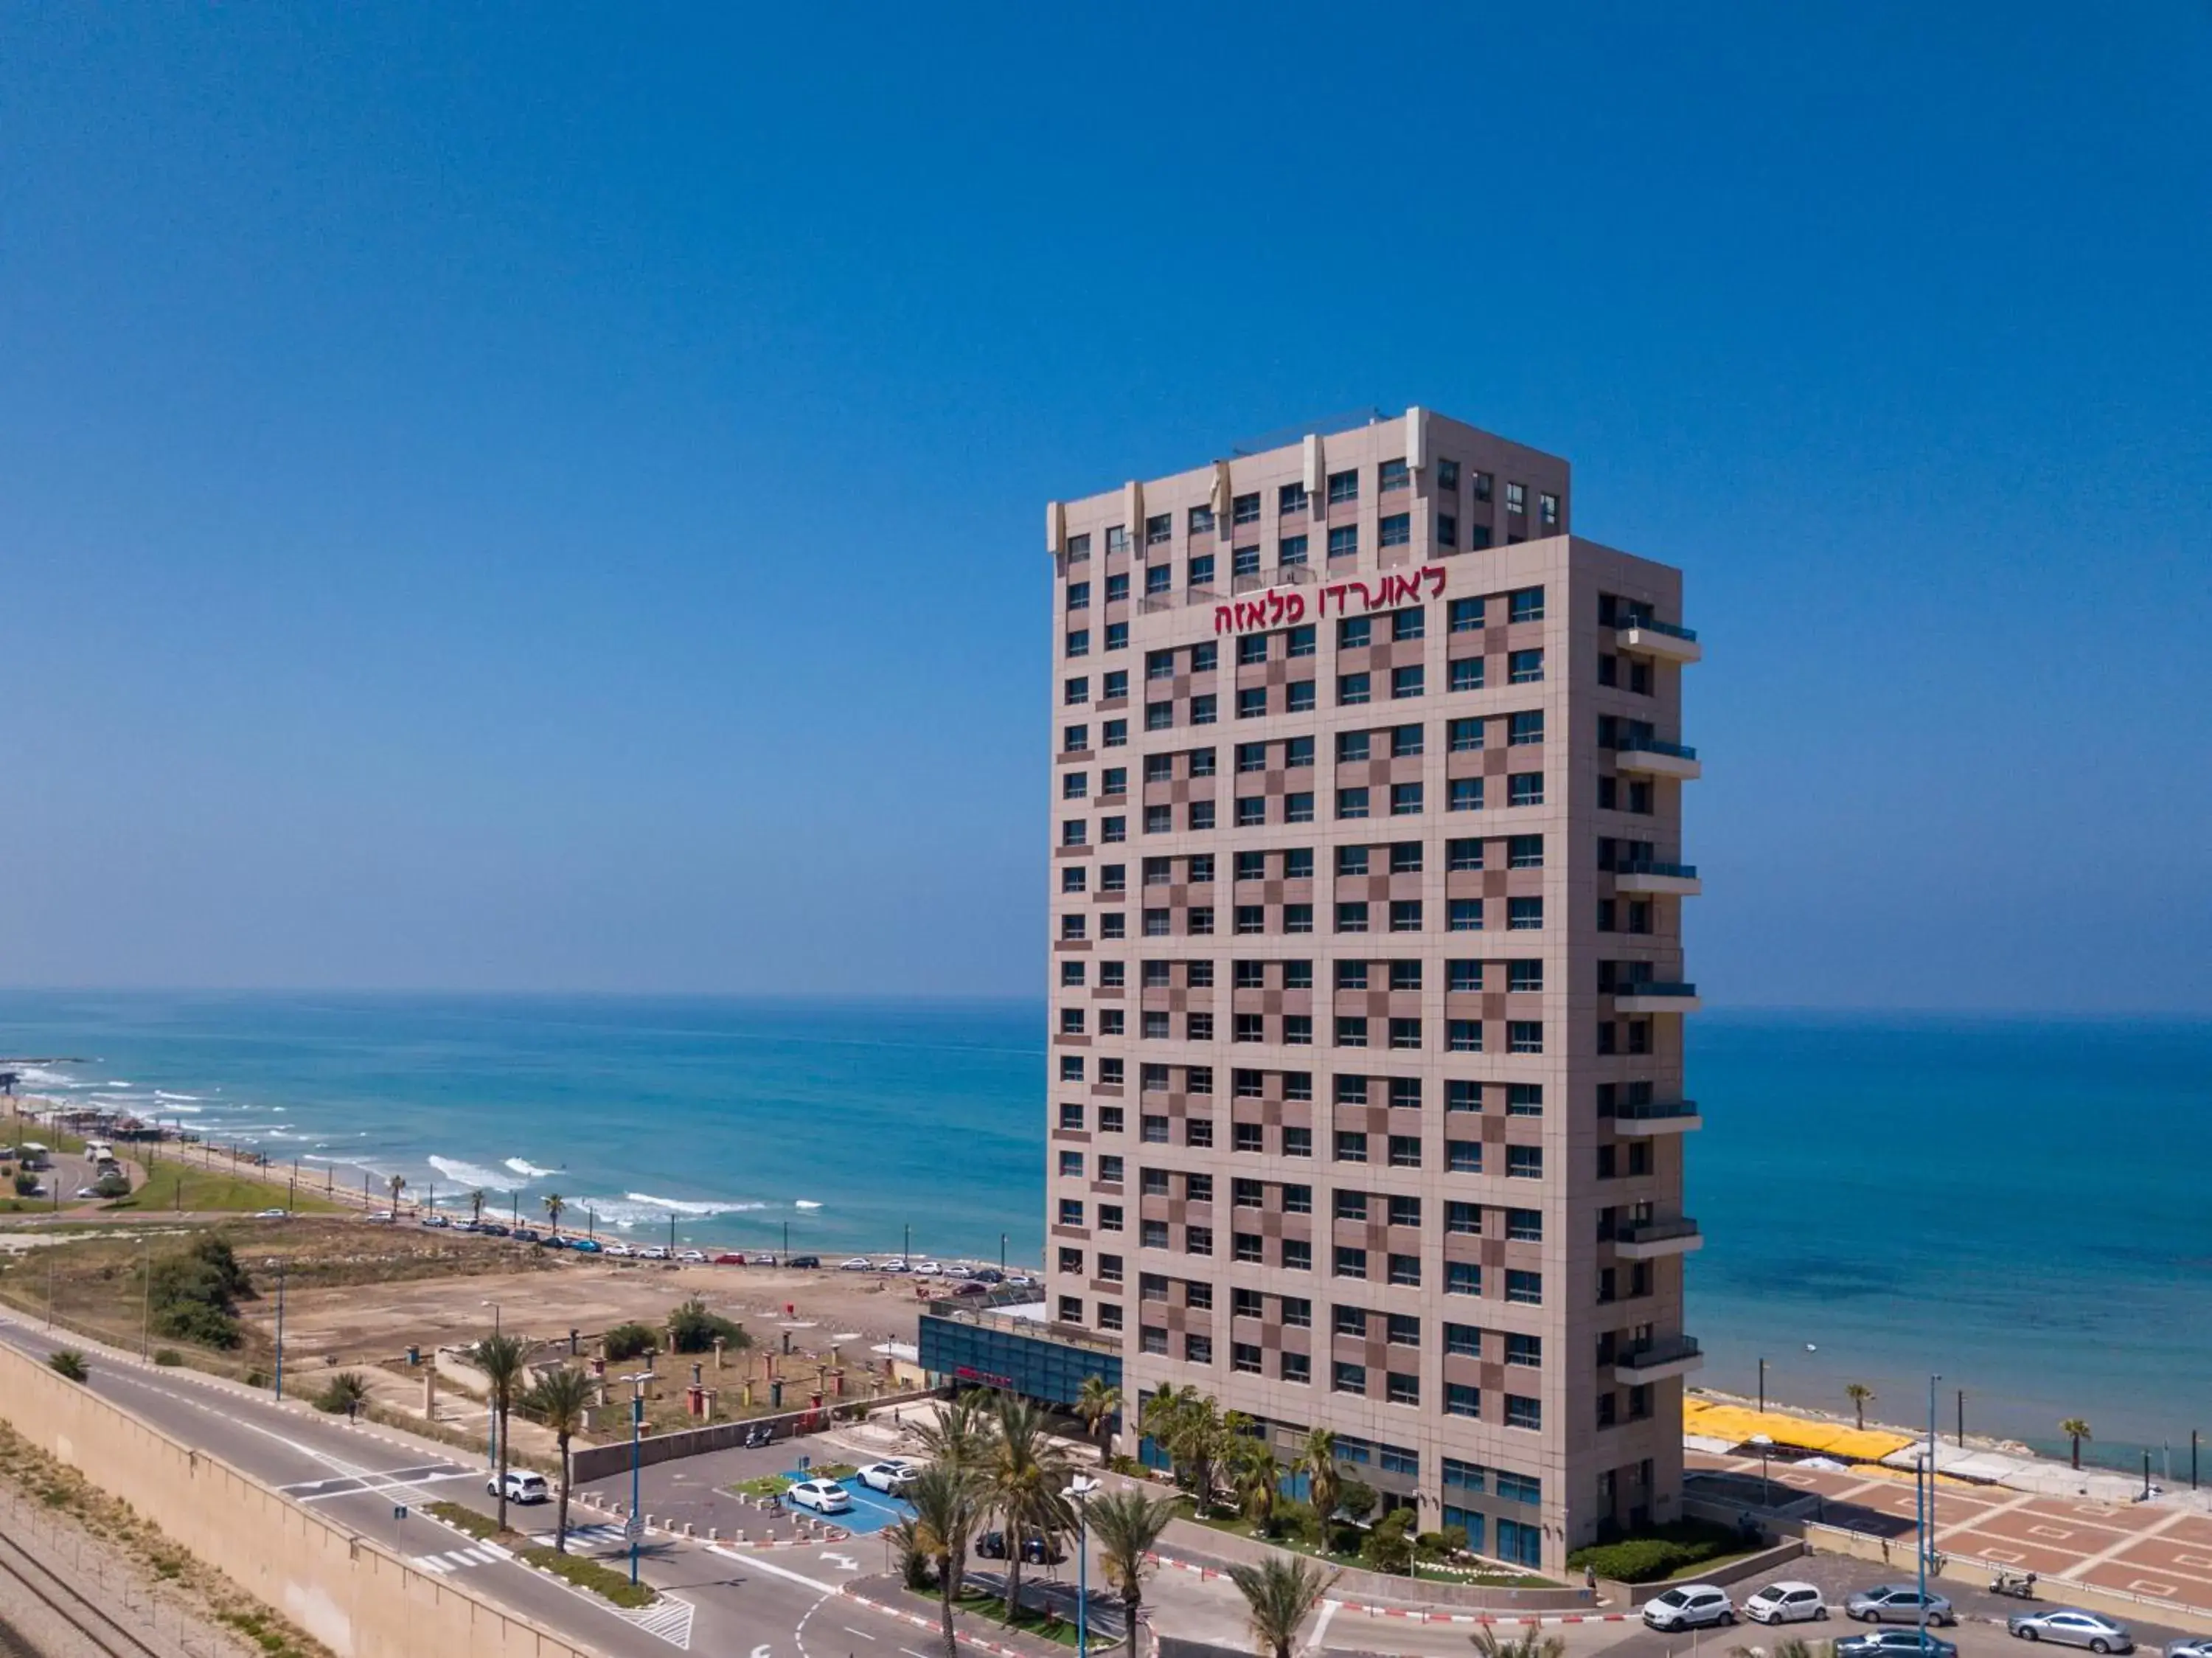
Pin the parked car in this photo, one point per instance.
(261, 1214)
(1036, 1550)
(858, 1263)
(493, 1229)
(1021, 1280)
(1693, 1605)
(529, 1234)
(2070, 1626)
(929, 1269)
(2199, 1646)
(895, 1264)
(379, 1215)
(1897, 1603)
(804, 1261)
(759, 1257)
(586, 1245)
(891, 1476)
(823, 1496)
(729, 1257)
(971, 1288)
(522, 1486)
(436, 1220)
(618, 1249)
(988, 1274)
(1894, 1644)
(692, 1257)
(1786, 1602)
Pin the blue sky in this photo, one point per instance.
(543, 497)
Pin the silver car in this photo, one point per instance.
(1693, 1606)
(2070, 1626)
(1897, 1603)
(2196, 1646)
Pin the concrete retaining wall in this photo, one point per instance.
(600, 1462)
(1201, 1545)
(351, 1593)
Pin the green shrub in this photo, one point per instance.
(476, 1524)
(693, 1329)
(168, 1357)
(343, 1393)
(193, 1293)
(1356, 1499)
(1657, 1553)
(588, 1574)
(69, 1363)
(26, 1183)
(1441, 1545)
(627, 1341)
(1389, 1545)
(112, 1185)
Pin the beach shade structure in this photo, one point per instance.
(1736, 1425)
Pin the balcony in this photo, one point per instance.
(1643, 1117)
(1661, 639)
(1658, 1360)
(1647, 1240)
(1652, 996)
(1678, 879)
(1649, 756)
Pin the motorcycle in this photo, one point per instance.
(2018, 1584)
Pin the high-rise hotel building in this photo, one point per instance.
(1367, 991)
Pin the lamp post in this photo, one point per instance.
(905, 1248)
(1766, 1444)
(279, 1265)
(491, 1409)
(1928, 1512)
(1762, 1386)
(635, 1524)
(1079, 1492)
(1002, 1254)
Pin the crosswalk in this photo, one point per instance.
(480, 1554)
(588, 1537)
(667, 1619)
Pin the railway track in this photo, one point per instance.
(86, 1617)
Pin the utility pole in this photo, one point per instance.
(1762, 1386)
(1962, 1418)
(1927, 1507)
(146, 1303)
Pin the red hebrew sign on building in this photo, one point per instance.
(1283, 607)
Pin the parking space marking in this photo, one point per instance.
(2192, 1560)
(2152, 1586)
(2052, 1533)
(2004, 1556)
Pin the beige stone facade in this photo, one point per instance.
(1366, 989)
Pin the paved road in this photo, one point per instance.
(788, 1606)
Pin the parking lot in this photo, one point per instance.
(871, 1511)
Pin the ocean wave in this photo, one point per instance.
(530, 1170)
(471, 1174)
(161, 1095)
(118, 1082)
(803, 1203)
(678, 1205)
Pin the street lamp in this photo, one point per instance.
(279, 1265)
(1766, 1444)
(635, 1525)
(1928, 1511)
(1079, 1491)
(1762, 1386)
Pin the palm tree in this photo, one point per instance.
(1533, 1645)
(398, 1184)
(1188, 1426)
(559, 1400)
(1279, 1595)
(499, 1358)
(1127, 1526)
(2077, 1430)
(1255, 1477)
(1324, 1485)
(960, 1437)
(476, 1208)
(1098, 1403)
(1858, 1393)
(1025, 1477)
(948, 1503)
(554, 1204)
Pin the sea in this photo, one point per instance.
(2016, 1211)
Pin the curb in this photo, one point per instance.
(934, 1625)
(1420, 1615)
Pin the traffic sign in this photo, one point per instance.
(634, 1528)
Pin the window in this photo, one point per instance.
(1350, 1146)
(1405, 915)
(1400, 1389)
(1070, 1165)
(1524, 852)
(1342, 487)
(1524, 1225)
(1523, 1412)
(1463, 855)
(1522, 729)
(1355, 633)
(1407, 681)
(1297, 1143)
(1525, 667)
(1109, 1217)
(1447, 474)
(1299, 697)
(1298, 976)
(1296, 1367)
(1404, 976)
(1524, 1350)
(1462, 1278)
(1412, 623)
(1201, 571)
(1406, 742)
(1071, 1211)
(1447, 530)
(1520, 1488)
(1297, 1255)
(1524, 1099)
(1302, 641)
(1347, 1378)
(1464, 615)
(1406, 1271)
(1158, 578)
(1159, 528)
(1201, 812)
(1352, 802)
(1517, 498)
(1524, 1036)
(1117, 731)
(1406, 1035)
(1463, 1219)
(1351, 1032)
(1074, 785)
(1351, 917)
(1397, 529)
(1404, 800)
(1245, 509)
(1202, 708)
(1115, 685)
(1463, 1156)
(1344, 541)
(1078, 690)
(1201, 521)
(1291, 554)
(1525, 789)
(1405, 1148)
(1117, 587)
(1526, 1288)
(1393, 475)
(1117, 636)
(1298, 863)
(1113, 780)
(1462, 1401)
(1463, 1036)
(1290, 498)
(1547, 509)
(1467, 673)
(1464, 795)
(1524, 915)
(1298, 1199)
(1524, 975)
(1076, 739)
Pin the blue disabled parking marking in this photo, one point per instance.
(871, 1511)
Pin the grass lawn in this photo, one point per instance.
(174, 1185)
(1047, 1627)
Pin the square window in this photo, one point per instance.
(1524, 852)
(1342, 487)
(1404, 800)
(1525, 1288)
(1462, 1401)
(1524, 915)
(1405, 1151)
(1524, 1036)
(1525, 667)
(1344, 541)
(1523, 729)
(1405, 915)
(1463, 1156)
(1463, 1219)
(1521, 1412)
(1299, 697)
(1393, 475)
(1462, 1278)
(1353, 689)
(1290, 498)
(1397, 529)
(1301, 640)
(1350, 1146)
(1467, 673)
(1466, 615)
(1406, 681)
(1527, 605)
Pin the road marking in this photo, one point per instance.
(844, 1562)
(1320, 1624)
(667, 1619)
(862, 1633)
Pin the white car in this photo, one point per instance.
(858, 1263)
(522, 1486)
(271, 1214)
(929, 1269)
(895, 1264)
(692, 1257)
(891, 1477)
(823, 1496)
(1693, 1605)
(654, 1252)
(622, 1251)
(1786, 1602)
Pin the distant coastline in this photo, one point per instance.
(1881, 1197)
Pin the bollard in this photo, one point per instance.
(738, 1535)
(687, 1531)
(713, 1534)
